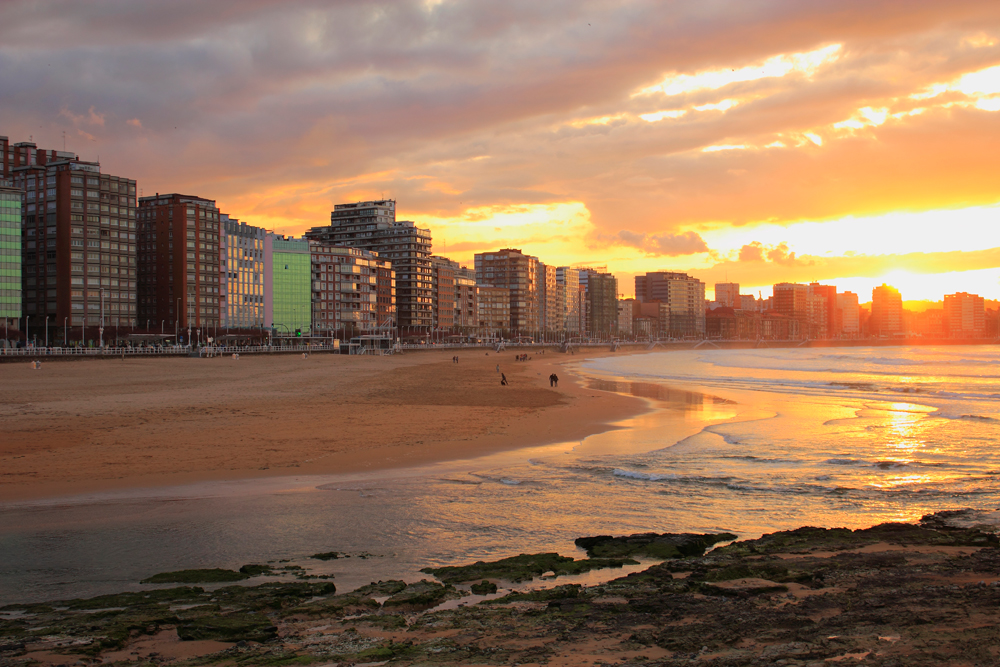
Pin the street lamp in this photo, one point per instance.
(65, 333)
(101, 329)
(27, 329)
(46, 332)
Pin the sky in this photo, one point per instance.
(849, 142)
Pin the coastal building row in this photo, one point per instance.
(80, 249)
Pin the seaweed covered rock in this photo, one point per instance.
(229, 628)
(207, 576)
(422, 595)
(653, 545)
(524, 567)
(484, 587)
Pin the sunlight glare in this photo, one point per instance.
(778, 66)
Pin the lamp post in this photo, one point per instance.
(27, 329)
(65, 332)
(177, 321)
(46, 332)
(101, 329)
(161, 326)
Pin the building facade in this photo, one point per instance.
(727, 295)
(79, 240)
(372, 225)
(602, 304)
(572, 308)
(241, 288)
(685, 299)
(494, 311)
(626, 307)
(443, 291)
(346, 288)
(887, 312)
(964, 315)
(552, 299)
(287, 285)
(180, 269)
(849, 313)
(10, 260)
(514, 271)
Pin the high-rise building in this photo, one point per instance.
(552, 299)
(372, 225)
(569, 279)
(466, 299)
(443, 291)
(454, 295)
(965, 315)
(287, 285)
(10, 259)
(79, 245)
(241, 290)
(513, 270)
(821, 311)
(887, 311)
(180, 273)
(684, 296)
(848, 313)
(626, 307)
(346, 290)
(727, 295)
(602, 303)
(792, 300)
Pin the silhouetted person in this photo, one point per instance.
(503, 380)
(553, 380)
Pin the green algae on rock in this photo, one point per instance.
(524, 567)
(653, 545)
(214, 575)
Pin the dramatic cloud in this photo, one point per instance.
(668, 245)
(679, 122)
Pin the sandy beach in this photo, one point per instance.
(79, 427)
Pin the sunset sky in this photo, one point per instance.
(850, 142)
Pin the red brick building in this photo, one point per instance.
(179, 269)
(79, 239)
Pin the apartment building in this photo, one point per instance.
(79, 238)
(180, 268)
(684, 296)
(513, 270)
(347, 285)
(287, 285)
(372, 226)
(964, 315)
(241, 288)
(10, 260)
(572, 307)
(887, 311)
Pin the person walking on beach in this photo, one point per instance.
(503, 380)
(553, 380)
(498, 368)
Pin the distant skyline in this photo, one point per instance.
(847, 142)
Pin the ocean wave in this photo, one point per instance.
(672, 477)
(760, 459)
(847, 462)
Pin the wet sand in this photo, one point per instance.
(91, 426)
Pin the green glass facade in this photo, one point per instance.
(10, 253)
(290, 286)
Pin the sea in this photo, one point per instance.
(741, 441)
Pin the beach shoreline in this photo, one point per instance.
(141, 423)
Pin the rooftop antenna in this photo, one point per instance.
(64, 141)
